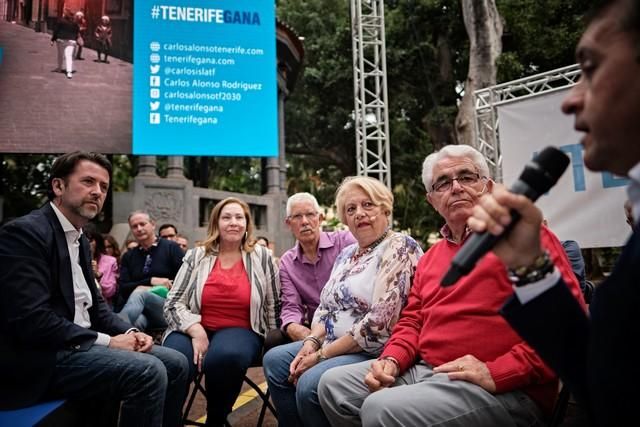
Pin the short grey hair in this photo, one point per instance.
(140, 212)
(299, 198)
(447, 151)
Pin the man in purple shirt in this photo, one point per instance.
(305, 268)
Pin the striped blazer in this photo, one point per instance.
(182, 306)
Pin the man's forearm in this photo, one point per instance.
(296, 331)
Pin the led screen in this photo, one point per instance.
(205, 78)
(183, 78)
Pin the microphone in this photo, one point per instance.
(538, 176)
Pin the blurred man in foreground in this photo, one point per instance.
(591, 355)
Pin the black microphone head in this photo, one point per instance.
(545, 169)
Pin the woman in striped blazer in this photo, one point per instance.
(224, 300)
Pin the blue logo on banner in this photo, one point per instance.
(204, 78)
(574, 151)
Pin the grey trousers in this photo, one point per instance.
(420, 398)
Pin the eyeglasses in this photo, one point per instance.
(308, 215)
(445, 183)
(367, 206)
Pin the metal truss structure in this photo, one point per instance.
(370, 90)
(488, 100)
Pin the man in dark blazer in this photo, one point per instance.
(593, 356)
(58, 338)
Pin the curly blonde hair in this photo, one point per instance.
(374, 189)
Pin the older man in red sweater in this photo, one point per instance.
(452, 360)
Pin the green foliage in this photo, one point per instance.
(539, 35)
(332, 224)
(23, 182)
(124, 169)
(322, 102)
(238, 174)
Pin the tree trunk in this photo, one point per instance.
(484, 28)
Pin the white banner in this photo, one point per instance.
(584, 206)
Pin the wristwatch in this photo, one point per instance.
(536, 271)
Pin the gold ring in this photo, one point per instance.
(200, 356)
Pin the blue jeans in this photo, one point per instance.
(292, 401)
(231, 352)
(152, 386)
(144, 310)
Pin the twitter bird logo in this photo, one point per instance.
(154, 105)
(155, 69)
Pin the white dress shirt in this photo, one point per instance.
(81, 292)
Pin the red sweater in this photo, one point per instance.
(440, 324)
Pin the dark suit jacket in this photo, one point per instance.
(37, 305)
(593, 357)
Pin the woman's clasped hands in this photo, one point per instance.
(304, 360)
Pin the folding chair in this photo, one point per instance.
(274, 338)
(198, 387)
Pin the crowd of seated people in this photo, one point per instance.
(365, 331)
(386, 345)
(342, 294)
